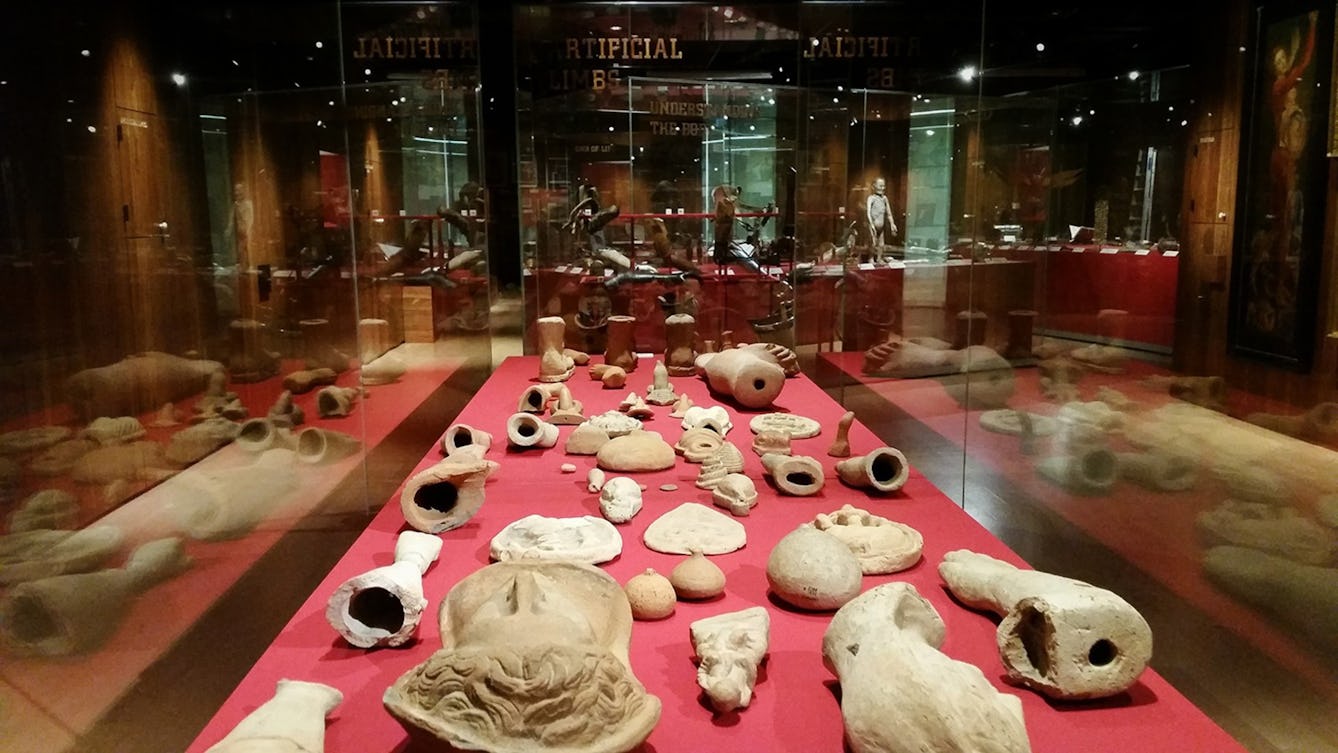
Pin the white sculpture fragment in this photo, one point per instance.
(535, 537)
(382, 607)
(731, 647)
(736, 493)
(882, 546)
(620, 499)
(715, 418)
(292, 721)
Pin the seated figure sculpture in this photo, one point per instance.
(534, 657)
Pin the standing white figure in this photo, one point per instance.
(879, 213)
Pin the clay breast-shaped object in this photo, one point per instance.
(811, 570)
(639, 451)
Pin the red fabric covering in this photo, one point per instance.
(1152, 531)
(796, 706)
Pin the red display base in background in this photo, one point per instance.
(796, 706)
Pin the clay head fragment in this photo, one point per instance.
(620, 499)
(534, 657)
(731, 647)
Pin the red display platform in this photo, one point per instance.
(796, 706)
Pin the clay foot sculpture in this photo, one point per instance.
(446, 495)
(795, 475)
(680, 330)
(936, 703)
(1062, 637)
(293, 720)
(554, 364)
(619, 350)
(731, 647)
(383, 607)
(884, 470)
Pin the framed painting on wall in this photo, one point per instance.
(1283, 180)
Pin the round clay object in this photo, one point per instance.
(812, 570)
(651, 596)
(697, 578)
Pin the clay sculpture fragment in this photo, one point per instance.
(811, 570)
(736, 493)
(316, 446)
(384, 370)
(465, 439)
(259, 434)
(293, 721)
(1276, 530)
(1091, 472)
(336, 402)
(1319, 424)
(795, 475)
(619, 350)
(382, 607)
(526, 430)
(535, 537)
(1253, 483)
(696, 445)
(725, 460)
(227, 504)
(748, 375)
(612, 377)
(30, 440)
(167, 416)
(635, 407)
(884, 470)
(1305, 597)
(109, 431)
(302, 382)
(681, 406)
(49, 508)
(692, 526)
(840, 447)
(639, 451)
(585, 439)
(937, 703)
(714, 418)
(661, 392)
(679, 332)
(60, 458)
(1158, 470)
(595, 480)
(43, 553)
(554, 364)
(194, 443)
(730, 647)
(620, 499)
(534, 657)
(1062, 637)
(614, 423)
(566, 410)
(882, 546)
(777, 442)
(138, 384)
(1206, 392)
(650, 595)
(69, 614)
(226, 406)
(795, 426)
(135, 461)
(784, 357)
(446, 495)
(697, 578)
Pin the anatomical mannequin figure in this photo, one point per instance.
(879, 211)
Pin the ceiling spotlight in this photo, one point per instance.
(86, 53)
(929, 132)
(366, 71)
(1076, 120)
(319, 44)
(1133, 75)
(179, 79)
(615, 27)
(967, 73)
(1040, 46)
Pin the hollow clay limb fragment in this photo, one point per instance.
(306, 380)
(383, 606)
(620, 499)
(46, 509)
(465, 439)
(697, 578)
(550, 639)
(693, 526)
(840, 447)
(293, 720)
(736, 493)
(795, 475)
(1157, 470)
(526, 430)
(650, 595)
(640, 451)
(33, 555)
(811, 570)
(1062, 637)
(336, 402)
(937, 703)
(317, 446)
(30, 440)
(795, 426)
(535, 537)
(446, 495)
(586, 439)
(1092, 472)
(226, 504)
(1276, 530)
(1304, 597)
(612, 377)
(750, 376)
(731, 647)
(882, 546)
(884, 470)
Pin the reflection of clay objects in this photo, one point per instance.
(613, 377)
(31, 440)
(1089, 472)
(650, 595)
(526, 430)
(811, 570)
(692, 526)
(119, 491)
(586, 439)
(681, 406)
(680, 330)
(1063, 637)
(535, 537)
(988, 379)
(736, 493)
(971, 328)
(840, 447)
(614, 423)
(731, 647)
(137, 384)
(1017, 423)
(137, 460)
(534, 657)
(44, 553)
(637, 452)
(661, 392)
(797, 427)
(320, 446)
(938, 704)
(463, 438)
(293, 720)
(594, 480)
(1253, 483)
(620, 499)
(318, 350)
(445, 495)
(301, 382)
(1268, 528)
(108, 431)
(697, 578)
(635, 407)
(228, 406)
(60, 458)
(373, 339)
(907, 360)
(193, 444)
(884, 470)
(618, 350)
(696, 445)
(1157, 470)
(384, 370)
(1207, 392)
(48, 508)
(750, 376)
(1021, 324)
(1106, 359)
(1319, 424)
(260, 434)
(566, 410)
(795, 475)
(784, 357)
(1083, 426)
(777, 442)
(69, 614)
(335, 402)
(228, 504)
(1059, 379)
(536, 397)
(248, 360)
(725, 460)
(1115, 399)
(554, 365)
(1304, 597)
(714, 418)
(285, 413)
(882, 546)
(383, 606)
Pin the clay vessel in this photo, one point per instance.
(1062, 637)
(293, 721)
(137, 384)
(749, 376)
(463, 438)
(228, 504)
(619, 350)
(884, 470)
(554, 364)
(446, 495)
(731, 647)
(680, 330)
(526, 430)
(795, 475)
(382, 607)
(811, 570)
(317, 446)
